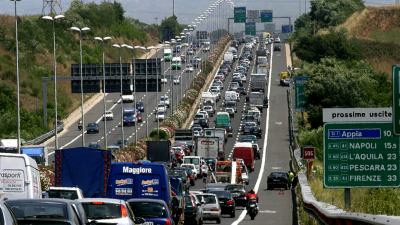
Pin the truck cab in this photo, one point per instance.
(244, 150)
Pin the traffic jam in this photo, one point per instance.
(208, 174)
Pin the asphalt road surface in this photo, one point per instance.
(275, 205)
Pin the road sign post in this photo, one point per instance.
(396, 99)
(360, 155)
(239, 14)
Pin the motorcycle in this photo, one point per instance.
(252, 209)
(80, 125)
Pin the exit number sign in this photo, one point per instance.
(308, 153)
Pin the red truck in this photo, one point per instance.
(244, 150)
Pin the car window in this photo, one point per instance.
(148, 209)
(101, 210)
(188, 202)
(34, 210)
(63, 194)
(209, 199)
(234, 188)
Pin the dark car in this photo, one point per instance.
(238, 192)
(278, 180)
(248, 138)
(277, 48)
(252, 128)
(119, 143)
(47, 211)
(202, 122)
(6, 216)
(211, 162)
(184, 176)
(92, 128)
(241, 90)
(153, 211)
(226, 201)
(191, 176)
(94, 144)
(140, 106)
(193, 211)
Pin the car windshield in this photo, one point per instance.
(188, 202)
(101, 210)
(65, 194)
(234, 188)
(51, 210)
(194, 161)
(209, 199)
(178, 173)
(148, 209)
(221, 194)
(278, 174)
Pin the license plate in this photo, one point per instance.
(221, 202)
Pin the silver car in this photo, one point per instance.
(211, 207)
(6, 216)
(106, 210)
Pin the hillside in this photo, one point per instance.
(376, 31)
(36, 59)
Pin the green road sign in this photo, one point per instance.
(266, 16)
(300, 99)
(239, 14)
(360, 155)
(396, 99)
(250, 28)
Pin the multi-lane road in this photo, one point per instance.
(72, 136)
(275, 205)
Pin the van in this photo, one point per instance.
(129, 180)
(196, 160)
(167, 54)
(223, 120)
(244, 150)
(19, 177)
(230, 96)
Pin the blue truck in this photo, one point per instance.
(139, 180)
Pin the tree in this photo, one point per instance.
(342, 84)
(170, 28)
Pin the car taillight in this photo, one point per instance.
(167, 222)
(124, 211)
(230, 202)
(97, 203)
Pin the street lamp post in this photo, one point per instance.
(158, 121)
(81, 31)
(121, 90)
(171, 77)
(102, 40)
(52, 19)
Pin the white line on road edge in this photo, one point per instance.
(260, 175)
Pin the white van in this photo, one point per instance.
(196, 160)
(231, 96)
(19, 177)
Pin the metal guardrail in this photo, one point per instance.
(324, 212)
(44, 137)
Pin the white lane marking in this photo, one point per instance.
(267, 211)
(278, 123)
(261, 173)
(276, 168)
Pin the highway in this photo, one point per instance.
(275, 205)
(72, 137)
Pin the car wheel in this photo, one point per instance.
(233, 214)
(218, 220)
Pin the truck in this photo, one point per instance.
(258, 81)
(258, 99)
(139, 180)
(207, 98)
(261, 70)
(207, 147)
(167, 54)
(262, 61)
(244, 150)
(19, 177)
(223, 120)
(85, 168)
(185, 135)
(222, 136)
(127, 98)
(158, 151)
(228, 57)
(36, 152)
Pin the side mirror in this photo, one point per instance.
(139, 220)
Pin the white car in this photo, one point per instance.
(161, 108)
(164, 99)
(192, 167)
(196, 133)
(160, 116)
(164, 80)
(127, 98)
(189, 68)
(177, 80)
(204, 168)
(277, 40)
(109, 115)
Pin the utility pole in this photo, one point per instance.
(173, 8)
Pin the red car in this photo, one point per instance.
(179, 153)
(139, 117)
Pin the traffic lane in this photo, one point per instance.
(276, 205)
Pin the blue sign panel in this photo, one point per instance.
(354, 133)
(287, 29)
(266, 16)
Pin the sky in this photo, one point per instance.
(153, 11)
